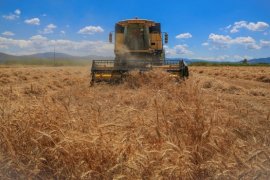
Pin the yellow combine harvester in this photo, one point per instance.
(138, 46)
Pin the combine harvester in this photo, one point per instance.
(138, 46)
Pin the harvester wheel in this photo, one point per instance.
(92, 82)
(186, 72)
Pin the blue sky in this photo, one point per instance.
(205, 29)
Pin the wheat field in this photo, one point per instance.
(214, 125)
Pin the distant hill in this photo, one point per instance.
(260, 60)
(252, 61)
(49, 56)
(93, 57)
(62, 58)
(4, 57)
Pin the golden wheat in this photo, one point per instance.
(53, 125)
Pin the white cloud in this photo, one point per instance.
(214, 58)
(17, 11)
(264, 43)
(228, 27)
(63, 32)
(91, 30)
(38, 38)
(238, 57)
(39, 43)
(3, 47)
(178, 50)
(205, 44)
(243, 40)
(184, 36)
(253, 46)
(9, 43)
(49, 29)
(222, 57)
(259, 26)
(219, 38)
(10, 17)
(182, 49)
(222, 41)
(219, 41)
(13, 16)
(51, 26)
(33, 21)
(8, 33)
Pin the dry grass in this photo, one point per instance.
(261, 74)
(53, 125)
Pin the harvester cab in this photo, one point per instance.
(138, 45)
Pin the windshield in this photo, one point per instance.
(136, 37)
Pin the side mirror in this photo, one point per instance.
(110, 37)
(166, 38)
